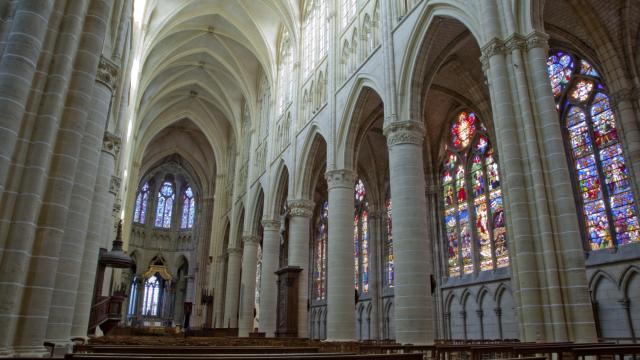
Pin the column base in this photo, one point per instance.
(30, 351)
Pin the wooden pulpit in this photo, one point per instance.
(287, 314)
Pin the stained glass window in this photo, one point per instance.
(474, 228)
(314, 34)
(320, 254)
(164, 209)
(151, 296)
(609, 209)
(348, 11)
(361, 239)
(142, 200)
(188, 209)
(389, 256)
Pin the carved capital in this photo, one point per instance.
(431, 189)
(111, 143)
(250, 239)
(516, 42)
(376, 214)
(271, 225)
(107, 73)
(301, 208)
(114, 184)
(234, 251)
(537, 39)
(340, 178)
(494, 47)
(404, 132)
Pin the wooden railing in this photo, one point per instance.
(106, 313)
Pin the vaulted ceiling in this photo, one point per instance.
(198, 60)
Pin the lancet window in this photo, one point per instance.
(151, 297)
(598, 164)
(320, 253)
(142, 200)
(314, 35)
(164, 208)
(475, 230)
(188, 209)
(361, 239)
(389, 257)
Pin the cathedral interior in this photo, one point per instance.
(342, 171)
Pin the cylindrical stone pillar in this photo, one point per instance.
(233, 288)
(411, 245)
(47, 238)
(70, 259)
(341, 315)
(300, 213)
(17, 68)
(249, 267)
(268, 287)
(100, 213)
(375, 282)
(218, 300)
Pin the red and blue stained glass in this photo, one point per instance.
(608, 203)
(361, 239)
(560, 68)
(389, 256)
(320, 254)
(473, 216)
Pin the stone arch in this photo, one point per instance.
(508, 319)
(279, 190)
(313, 155)
(415, 64)
(363, 100)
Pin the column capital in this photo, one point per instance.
(515, 42)
(376, 214)
(431, 189)
(301, 208)
(272, 225)
(111, 143)
(492, 48)
(344, 178)
(404, 132)
(107, 73)
(234, 251)
(114, 184)
(537, 39)
(250, 239)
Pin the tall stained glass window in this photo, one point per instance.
(348, 10)
(601, 177)
(314, 30)
(320, 254)
(474, 223)
(164, 209)
(188, 209)
(151, 296)
(142, 200)
(388, 250)
(361, 239)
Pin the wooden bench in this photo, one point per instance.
(152, 350)
(325, 356)
(610, 351)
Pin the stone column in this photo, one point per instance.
(300, 213)
(341, 315)
(233, 288)
(47, 237)
(628, 122)
(17, 69)
(70, 259)
(218, 300)
(249, 267)
(100, 214)
(375, 270)
(268, 287)
(411, 244)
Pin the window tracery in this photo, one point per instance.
(151, 297)
(601, 177)
(164, 208)
(473, 209)
(188, 209)
(320, 253)
(314, 35)
(361, 239)
(285, 74)
(142, 201)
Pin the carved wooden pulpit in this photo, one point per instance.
(287, 315)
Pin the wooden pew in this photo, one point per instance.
(609, 350)
(151, 350)
(325, 356)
